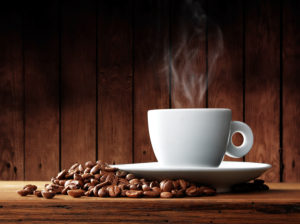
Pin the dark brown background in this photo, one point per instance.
(77, 78)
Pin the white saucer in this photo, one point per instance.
(222, 177)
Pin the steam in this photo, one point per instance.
(190, 78)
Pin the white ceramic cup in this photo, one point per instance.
(196, 137)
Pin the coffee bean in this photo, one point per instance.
(166, 185)
(130, 176)
(76, 193)
(102, 192)
(48, 194)
(104, 184)
(123, 192)
(89, 164)
(134, 187)
(95, 169)
(151, 194)
(110, 178)
(80, 168)
(94, 182)
(30, 187)
(146, 187)
(86, 186)
(114, 191)
(123, 181)
(110, 169)
(183, 184)
(154, 184)
(134, 181)
(209, 191)
(96, 189)
(77, 176)
(89, 193)
(62, 182)
(87, 170)
(178, 193)
(134, 193)
(166, 194)
(121, 173)
(86, 176)
(61, 175)
(23, 192)
(65, 190)
(38, 193)
(97, 176)
(192, 191)
(54, 180)
(75, 165)
(157, 189)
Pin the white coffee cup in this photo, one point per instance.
(196, 137)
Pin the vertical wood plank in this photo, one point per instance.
(115, 81)
(188, 54)
(291, 90)
(262, 82)
(78, 110)
(11, 93)
(41, 61)
(150, 74)
(226, 71)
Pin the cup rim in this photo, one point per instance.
(190, 109)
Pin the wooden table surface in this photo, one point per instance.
(281, 204)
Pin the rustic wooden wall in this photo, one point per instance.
(77, 78)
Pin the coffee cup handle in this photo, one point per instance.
(244, 148)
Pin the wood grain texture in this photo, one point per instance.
(262, 82)
(291, 93)
(115, 81)
(151, 80)
(279, 205)
(188, 54)
(78, 49)
(11, 93)
(41, 59)
(226, 62)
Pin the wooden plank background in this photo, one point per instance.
(77, 78)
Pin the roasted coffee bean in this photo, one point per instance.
(80, 168)
(23, 192)
(94, 182)
(123, 192)
(157, 189)
(30, 186)
(176, 185)
(134, 181)
(130, 176)
(110, 169)
(145, 187)
(96, 189)
(87, 170)
(90, 164)
(183, 184)
(102, 192)
(154, 184)
(151, 194)
(134, 187)
(76, 193)
(121, 173)
(166, 185)
(114, 191)
(86, 186)
(209, 191)
(65, 190)
(97, 176)
(192, 191)
(178, 193)
(95, 169)
(110, 178)
(54, 180)
(104, 184)
(62, 182)
(134, 193)
(74, 166)
(77, 176)
(89, 193)
(123, 181)
(48, 194)
(166, 194)
(73, 186)
(86, 176)
(122, 186)
(38, 193)
(61, 175)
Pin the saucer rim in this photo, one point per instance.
(161, 167)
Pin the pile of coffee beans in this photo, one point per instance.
(98, 179)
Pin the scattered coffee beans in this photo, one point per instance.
(98, 179)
